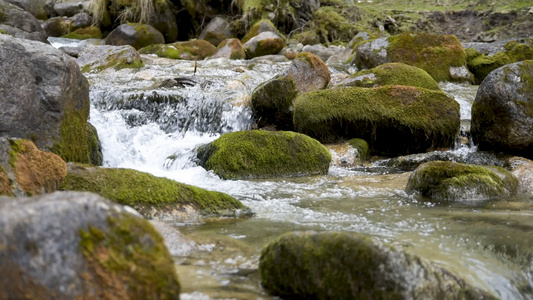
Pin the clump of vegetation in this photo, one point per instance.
(450, 181)
(130, 258)
(91, 32)
(144, 191)
(264, 154)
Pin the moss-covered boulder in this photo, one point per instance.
(392, 74)
(190, 50)
(96, 58)
(442, 56)
(26, 170)
(96, 248)
(481, 65)
(19, 23)
(363, 150)
(265, 43)
(264, 154)
(45, 98)
(153, 197)
(91, 32)
(57, 26)
(216, 31)
(95, 147)
(450, 181)
(134, 34)
(394, 120)
(343, 265)
(231, 49)
(273, 101)
(502, 113)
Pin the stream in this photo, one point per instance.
(157, 130)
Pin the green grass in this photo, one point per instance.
(421, 5)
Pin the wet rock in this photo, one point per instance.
(216, 31)
(154, 197)
(95, 147)
(392, 74)
(449, 181)
(411, 162)
(70, 245)
(394, 120)
(19, 23)
(70, 8)
(522, 169)
(81, 20)
(91, 32)
(273, 101)
(190, 50)
(34, 7)
(264, 154)
(320, 50)
(231, 49)
(264, 43)
(45, 98)
(442, 56)
(502, 113)
(260, 27)
(98, 58)
(343, 265)
(136, 35)
(25, 170)
(57, 26)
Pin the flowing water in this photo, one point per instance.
(157, 130)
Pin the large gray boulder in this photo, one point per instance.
(70, 8)
(217, 30)
(502, 113)
(343, 265)
(136, 35)
(19, 23)
(34, 7)
(45, 98)
(69, 245)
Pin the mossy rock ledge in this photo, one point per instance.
(392, 74)
(442, 56)
(450, 181)
(273, 101)
(96, 248)
(502, 113)
(264, 154)
(190, 50)
(342, 265)
(394, 120)
(154, 197)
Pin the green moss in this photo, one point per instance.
(450, 181)
(261, 25)
(396, 120)
(197, 50)
(92, 32)
(139, 189)
(331, 26)
(433, 53)
(362, 148)
(272, 103)
(264, 154)
(2, 32)
(395, 74)
(72, 145)
(130, 256)
(518, 51)
(118, 61)
(481, 65)
(95, 148)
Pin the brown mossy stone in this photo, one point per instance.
(433, 53)
(450, 181)
(264, 46)
(6, 185)
(36, 171)
(195, 50)
(348, 265)
(393, 74)
(117, 60)
(143, 191)
(264, 154)
(394, 120)
(91, 32)
(272, 103)
(235, 46)
(261, 26)
(130, 259)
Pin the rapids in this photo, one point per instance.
(157, 130)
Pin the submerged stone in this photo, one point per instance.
(449, 181)
(394, 120)
(98, 249)
(96, 58)
(154, 197)
(343, 265)
(264, 154)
